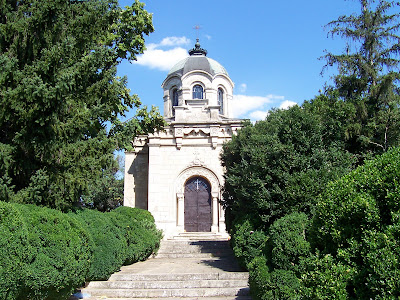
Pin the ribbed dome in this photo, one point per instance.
(198, 61)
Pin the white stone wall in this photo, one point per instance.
(166, 164)
(158, 169)
(173, 156)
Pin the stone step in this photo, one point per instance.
(183, 269)
(200, 236)
(175, 284)
(165, 293)
(179, 277)
(177, 298)
(193, 249)
(195, 244)
(194, 255)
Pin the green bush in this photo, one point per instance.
(357, 222)
(15, 251)
(247, 243)
(139, 230)
(325, 278)
(110, 245)
(275, 268)
(46, 254)
(59, 254)
(287, 241)
(122, 236)
(278, 284)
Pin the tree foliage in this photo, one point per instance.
(369, 74)
(357, 223)
(280, 165)
(278, 173)
(60, 97)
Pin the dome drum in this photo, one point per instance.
(197, 77)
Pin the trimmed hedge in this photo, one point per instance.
(15, 251)
(109, 243)
(139, 229)
(52, 253)
(46, 254)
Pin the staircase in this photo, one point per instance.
(189, 266)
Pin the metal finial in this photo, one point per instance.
(197, 50)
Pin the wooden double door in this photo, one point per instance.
(197, 205)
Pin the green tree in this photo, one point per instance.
(280, 165)
(106, 192)
(368, 74)
(60, 97)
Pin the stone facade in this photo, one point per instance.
(197, 98)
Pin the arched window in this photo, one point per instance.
(197, 92)
(175, 98)
(221, 100)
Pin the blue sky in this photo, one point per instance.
(269, 48)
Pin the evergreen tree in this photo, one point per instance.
(60, 97)
(368, 74)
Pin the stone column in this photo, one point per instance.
(180, 213)
(222, 225)
(214, 227)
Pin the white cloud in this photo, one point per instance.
(162, 60)
(257, 108)
(157, 57)
(243, 104)
(258, 115)
(174, 41)
(243, 88)
(286, 104)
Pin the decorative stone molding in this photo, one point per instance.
(178, 132)
(197, 171)
(198, 159)
(196, 131)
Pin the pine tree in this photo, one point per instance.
(368, 74)
(60, 97)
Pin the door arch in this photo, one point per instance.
(197, 199)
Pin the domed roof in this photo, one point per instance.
(198, 61)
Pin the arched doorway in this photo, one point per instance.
(197, 195)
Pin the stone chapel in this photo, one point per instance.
(176, 173)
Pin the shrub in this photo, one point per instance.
(109, 243)
(325, 278)
(247, 242)
(287, 241)
(59, 254)
(138, 227)
(278, 284)
(15, 251)
(357, 222)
